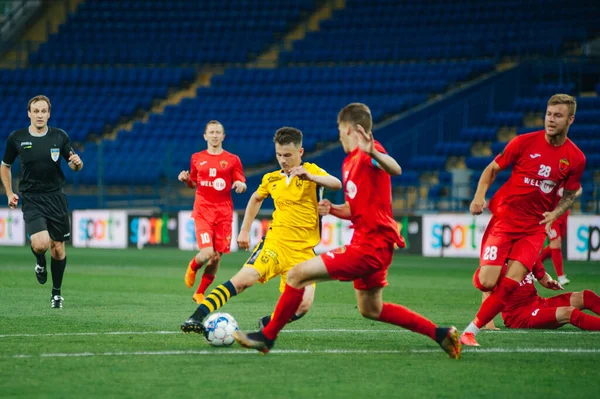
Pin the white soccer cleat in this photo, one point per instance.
(57, 302)
(563, 280)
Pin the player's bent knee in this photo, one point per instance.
(206, 254)
(563, 314)
(40, 246)
(40, 243)
(369, 310)
(483, 283)
(57, 249)
(369, 313)
(214, 259)
(295, 277)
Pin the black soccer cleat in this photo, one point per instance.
(449, 340)
(41, 273)
(263, 321)
(192, 325)
(56, 301)
(254, 340)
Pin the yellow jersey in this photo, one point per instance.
(296, 221)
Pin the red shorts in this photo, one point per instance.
(499, 245)
(367, 266)
(213, 234)
(559, 227)
(541, 314)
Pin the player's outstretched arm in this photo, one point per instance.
(252, 209)
(342, 211)
(485, 181)
(387, 163)
(366, 143)
(548, 282)
(563, 205)
(6, 176)
(326, 180)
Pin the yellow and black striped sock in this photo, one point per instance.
(215, 300)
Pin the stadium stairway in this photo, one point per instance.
(271, 57)
(268, 59)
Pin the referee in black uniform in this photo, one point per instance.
(40, 148)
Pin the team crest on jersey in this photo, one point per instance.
(224, 164)
(299, 183)
(269, 254)
(54, 153)
(563, 164)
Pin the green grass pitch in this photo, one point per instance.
(118, 336)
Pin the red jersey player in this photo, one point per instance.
(366, 179)
(542, 161)
(214, 172)
(526, 309)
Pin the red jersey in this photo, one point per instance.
(368, 190)
(526, 293)
(214, 175)
(522, 296)
(539, 168)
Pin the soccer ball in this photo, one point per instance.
(220, 328)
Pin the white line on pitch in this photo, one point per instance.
(318, 330)
(301, 351)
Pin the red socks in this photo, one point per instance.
(546, 252)
(406, 318)
(591, 301)
(195, 266)
(557, 260)
(285, 309)
(585, 321)
(495, 302)
(206, 281)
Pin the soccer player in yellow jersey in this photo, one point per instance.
(295, 229)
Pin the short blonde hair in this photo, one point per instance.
(39, 97)
(214, 122)
(565, 99)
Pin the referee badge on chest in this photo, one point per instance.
(54, 153)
